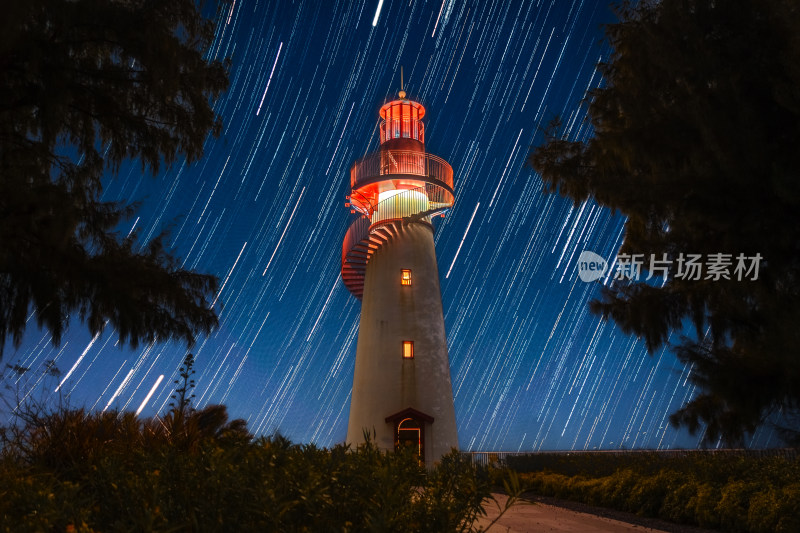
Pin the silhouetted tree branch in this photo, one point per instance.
(696, 131)
(84, 86)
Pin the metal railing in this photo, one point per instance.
(385, 162)
(420, 203)
(495, 458)
(357, 232)
(423, 201)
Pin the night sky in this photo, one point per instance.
(264, 210)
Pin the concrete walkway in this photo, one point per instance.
(525, 517)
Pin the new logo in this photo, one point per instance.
(591, 266)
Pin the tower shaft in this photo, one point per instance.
(388, 386)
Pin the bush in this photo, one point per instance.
(762, 516)
(198, 472)
(649, 494)
(734, 504)
(731, 491)
(789, 513)
(704, 504)
(675, 507)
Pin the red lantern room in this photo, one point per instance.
(397, 182)
(402, 127)
(401, 168)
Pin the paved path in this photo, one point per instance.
(525, 517)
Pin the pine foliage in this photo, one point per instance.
(84, 86)
(696, 131)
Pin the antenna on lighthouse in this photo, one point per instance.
(402, 93)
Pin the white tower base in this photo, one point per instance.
(390, 390)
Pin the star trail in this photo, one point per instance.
(264, 211)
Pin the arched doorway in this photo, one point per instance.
(409, 434)
(409, 430)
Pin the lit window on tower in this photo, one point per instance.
(405, 277)
(408, 349)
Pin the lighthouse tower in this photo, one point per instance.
(401, 386)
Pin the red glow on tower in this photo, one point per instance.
(402, 119)
(399, 181)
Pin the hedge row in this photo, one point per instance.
(736, 494)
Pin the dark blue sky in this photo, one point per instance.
(264, 210)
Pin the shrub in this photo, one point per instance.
(789, 520)
(704, 504)
(736, 492)
(676, 507)
(617, 488)
(649, 493)
(734, 503)
(762, 516)
(201, 473)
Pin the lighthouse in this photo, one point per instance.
(402, 395)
